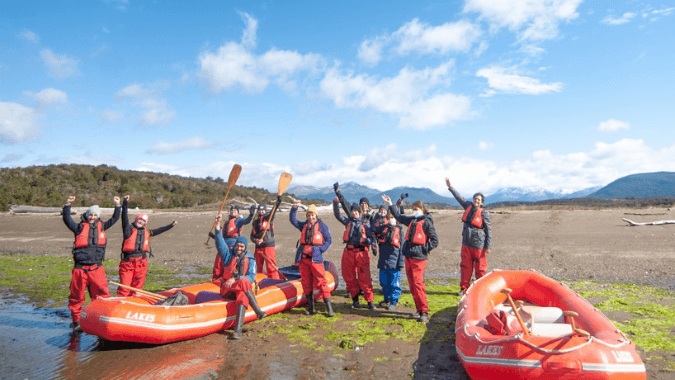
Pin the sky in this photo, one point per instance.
(559, 95)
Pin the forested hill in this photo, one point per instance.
(49, 186)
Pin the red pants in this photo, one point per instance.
(236, 291)
(132, 273)
(472, 258)
(270, 257)
(90, 278)
(313, 276)
(218, 269)
(414, 270)
(356, 272)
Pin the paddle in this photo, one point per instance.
(284, 181)
(234, 176)
(571, 315)
(507, 291)
(140, 291)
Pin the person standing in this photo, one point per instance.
(355, 264)
(476, 237)
(420, 238)
(238, 277)
(231, 231)
(262, 234)
(88, 273)
(135, 249)
(314, 241)
(389, 236)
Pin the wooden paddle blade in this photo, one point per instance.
(234, 175)
(284, 181)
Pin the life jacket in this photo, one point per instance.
(348, 232)
(311, 236)
(419, 236)
(98, 236)
(260, 225)
(238, 266)
(129, 244)
(232, 230)
(476, 220)
(391, 236)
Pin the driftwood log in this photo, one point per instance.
(657, 223)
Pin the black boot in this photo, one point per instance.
(254, 305)
(239, 323)
(355, 302)
(310, 303)
(329, 308)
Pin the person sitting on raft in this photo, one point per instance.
(238, 277)
(88, 255)
(135, 248)
(314, 241)
(231, 231)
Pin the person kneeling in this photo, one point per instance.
(238, 277)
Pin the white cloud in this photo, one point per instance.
(613, 125)
(48, 96)
(59, 66)
(30, 36)
(17, 123)
(156, 109)
(422, 38)
(234, 65)
(531, 20)
(507, 80)
(405, 96)
(483, 146)
(192, 143)
(623, 19)
(656, 14)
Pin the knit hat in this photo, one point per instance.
(93, 210)
(143, 216)
(312, 208)
(242, 240)
(261, 207)
(234, 207)
(355, 207)
(365, 200)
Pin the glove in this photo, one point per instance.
(336, 187)
(279, 198)
(404, 196)
(252, 208)
(374, 251)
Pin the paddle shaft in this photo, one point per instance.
(234, 175)
(284, 181)
(140, 291)
(507, 291)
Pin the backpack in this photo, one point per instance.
(177, 299)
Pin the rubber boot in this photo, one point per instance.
(310, 303)
(254, 305)
(329, 308)
(355, 302)
(239, 323)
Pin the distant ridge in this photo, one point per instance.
(643, 185)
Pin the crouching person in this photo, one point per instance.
(238, 277)
(88, 255)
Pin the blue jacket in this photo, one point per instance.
(317, 251)
(228, 255)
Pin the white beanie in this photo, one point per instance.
(93, 210)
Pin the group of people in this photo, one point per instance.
(366, 230)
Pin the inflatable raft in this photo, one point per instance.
(555, 334)
(139, 319)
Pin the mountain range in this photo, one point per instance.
(644, 185)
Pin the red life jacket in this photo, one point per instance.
(477, 220)
(232, 231)
(98, 238)
(129, 244)
(260, 225)
(311, 236)
(392, 237)
(419, 236)
(348, 231)
(232, 269)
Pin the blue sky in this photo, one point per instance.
(553, 94)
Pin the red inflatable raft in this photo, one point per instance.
(138, 319)
(555, 334)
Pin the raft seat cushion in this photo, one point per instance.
(542, 320)
(551, 329)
